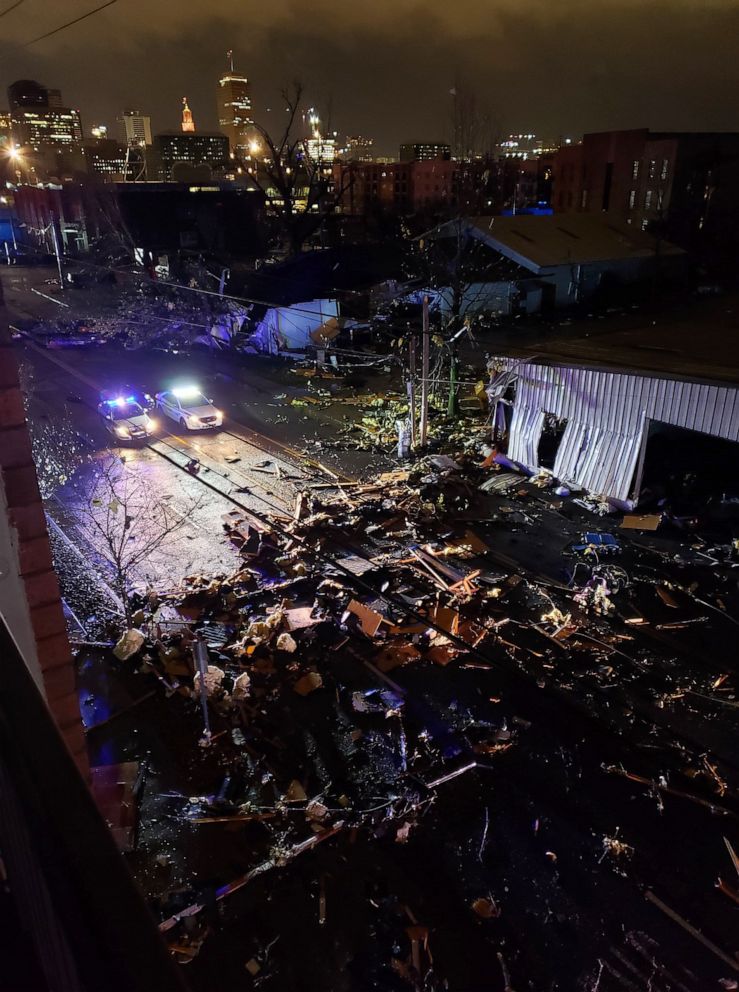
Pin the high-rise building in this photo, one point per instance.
(136, 127)
(425, 151)
(234, 109)
(28, 93)
(47, 135)
(174, 152)
(188, 124)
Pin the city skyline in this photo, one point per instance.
(671, 72)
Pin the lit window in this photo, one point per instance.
(648, 199)
(652, 168)
(632, 199)
(665, 167)
(635, 169)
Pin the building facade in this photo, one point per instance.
(643, 177)
(424, 151)
(46, 135)
(606, 416)
(135, 128)
(109, 160)
(358, 149)
(172, 151)
(234, 110)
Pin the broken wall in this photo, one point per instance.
(290, 328)
(607, 415)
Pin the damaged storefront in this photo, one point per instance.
(590, 426)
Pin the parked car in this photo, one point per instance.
(125, 418)
(189, 408)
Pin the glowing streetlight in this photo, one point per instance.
(254, 147)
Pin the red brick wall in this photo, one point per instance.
(38, 583)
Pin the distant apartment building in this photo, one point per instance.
(425, 151)
(689, 181)
(109, 160)
(398, 187)
(358, 149)
(525, 146)
(135, 127)
(174, 154)
(47, 135)
(234, 109)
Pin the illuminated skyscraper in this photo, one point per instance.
(136, 128)
(188, 124)
(47, 134)
(234, 109)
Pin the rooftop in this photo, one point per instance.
(697, 340)
(567, 239)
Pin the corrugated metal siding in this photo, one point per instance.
(526, 425)
(606, 414)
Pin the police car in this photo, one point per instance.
(125, 417)
(190, 408)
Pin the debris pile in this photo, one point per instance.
(318, 715)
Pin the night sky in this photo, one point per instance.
(385, 67)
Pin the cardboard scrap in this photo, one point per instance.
(446, 618)
(370, 619)
(299, 617)
(641, 521)
(308, 683)
(395, 655)
(485, 908)
(295, 793)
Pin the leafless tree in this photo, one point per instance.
(107, 219)
(57, 446)
(459, 269)
(301, 188)
(127, 523)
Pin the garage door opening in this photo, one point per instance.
(690, 474)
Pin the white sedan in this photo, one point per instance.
(188, 407)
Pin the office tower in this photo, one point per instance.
(234, 109)
(48, 136)
(136, 128)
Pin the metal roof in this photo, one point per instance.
(566, 239)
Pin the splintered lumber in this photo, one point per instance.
(242, 880)
(689, 928)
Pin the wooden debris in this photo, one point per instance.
(308, 683)
(370, 619)
(689, 928)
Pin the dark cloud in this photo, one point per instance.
(385, 67)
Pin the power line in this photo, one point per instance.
(68, 24)
(10, 8)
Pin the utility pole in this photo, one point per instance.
(425, 374)
(412, 386)
(55, 239)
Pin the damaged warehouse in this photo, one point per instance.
(596, 422)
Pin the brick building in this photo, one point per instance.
(398, 187)
(30, 602)
(688, 180)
